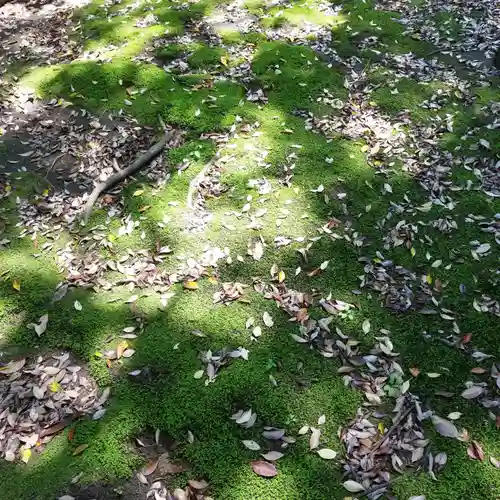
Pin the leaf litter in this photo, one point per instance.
(399, 289)
(54, 391)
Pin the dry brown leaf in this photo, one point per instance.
(264, 469)
(198, 485)
(150, 468)
(475, 451)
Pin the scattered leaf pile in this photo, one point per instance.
(39, 398)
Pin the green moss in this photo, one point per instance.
(308, 385)
(207, 56)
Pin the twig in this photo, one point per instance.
(56, 159)
(391, 430)
(117, 177)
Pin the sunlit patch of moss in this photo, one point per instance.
(295, 75)
(108, 86)
(205, 56)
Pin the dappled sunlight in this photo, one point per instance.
(327, 161)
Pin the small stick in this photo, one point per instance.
(391, 430)
(56, 159)
(117, 177)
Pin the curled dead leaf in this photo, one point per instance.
(475, 451)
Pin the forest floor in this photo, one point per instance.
(299, 298)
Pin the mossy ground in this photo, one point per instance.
(307, 385)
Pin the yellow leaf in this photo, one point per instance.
(413, 252)
(45, 192)
(55, 386)
(223, 60)
(190, 285)
(26, 455)
(428, 278)
(80, 449)
(212, 280)
(138, 192)
(281, 276)
(16, 285)
(381, 428)
(98, 354)
(144, 208)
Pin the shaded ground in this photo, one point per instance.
(340, 141)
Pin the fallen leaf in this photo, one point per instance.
(53, 429)
(198, 485)
(415, 371)
(268, 320)
(327, 453)
(314, 439)
(16, 285)
(264, 469)
(150, 468)
(321, 420)
(77, 305)
(304, 430)
(274, 435)
(366, 326)
(475, 451)
(472, 392)
(26, 455)
(433, 375)
(41, 327)
(272, 455)
(80, 449)
(495, 462)
(142, 478)
(251, 445)
(12, 367)
(199, 374)
(190, 285)
(478, 370)
(454, 415)
(444, 427)
(353, 486)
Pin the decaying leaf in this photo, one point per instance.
(264, 469)
(198, 485)
(12, 367)
(150, 468)
(475, 451)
